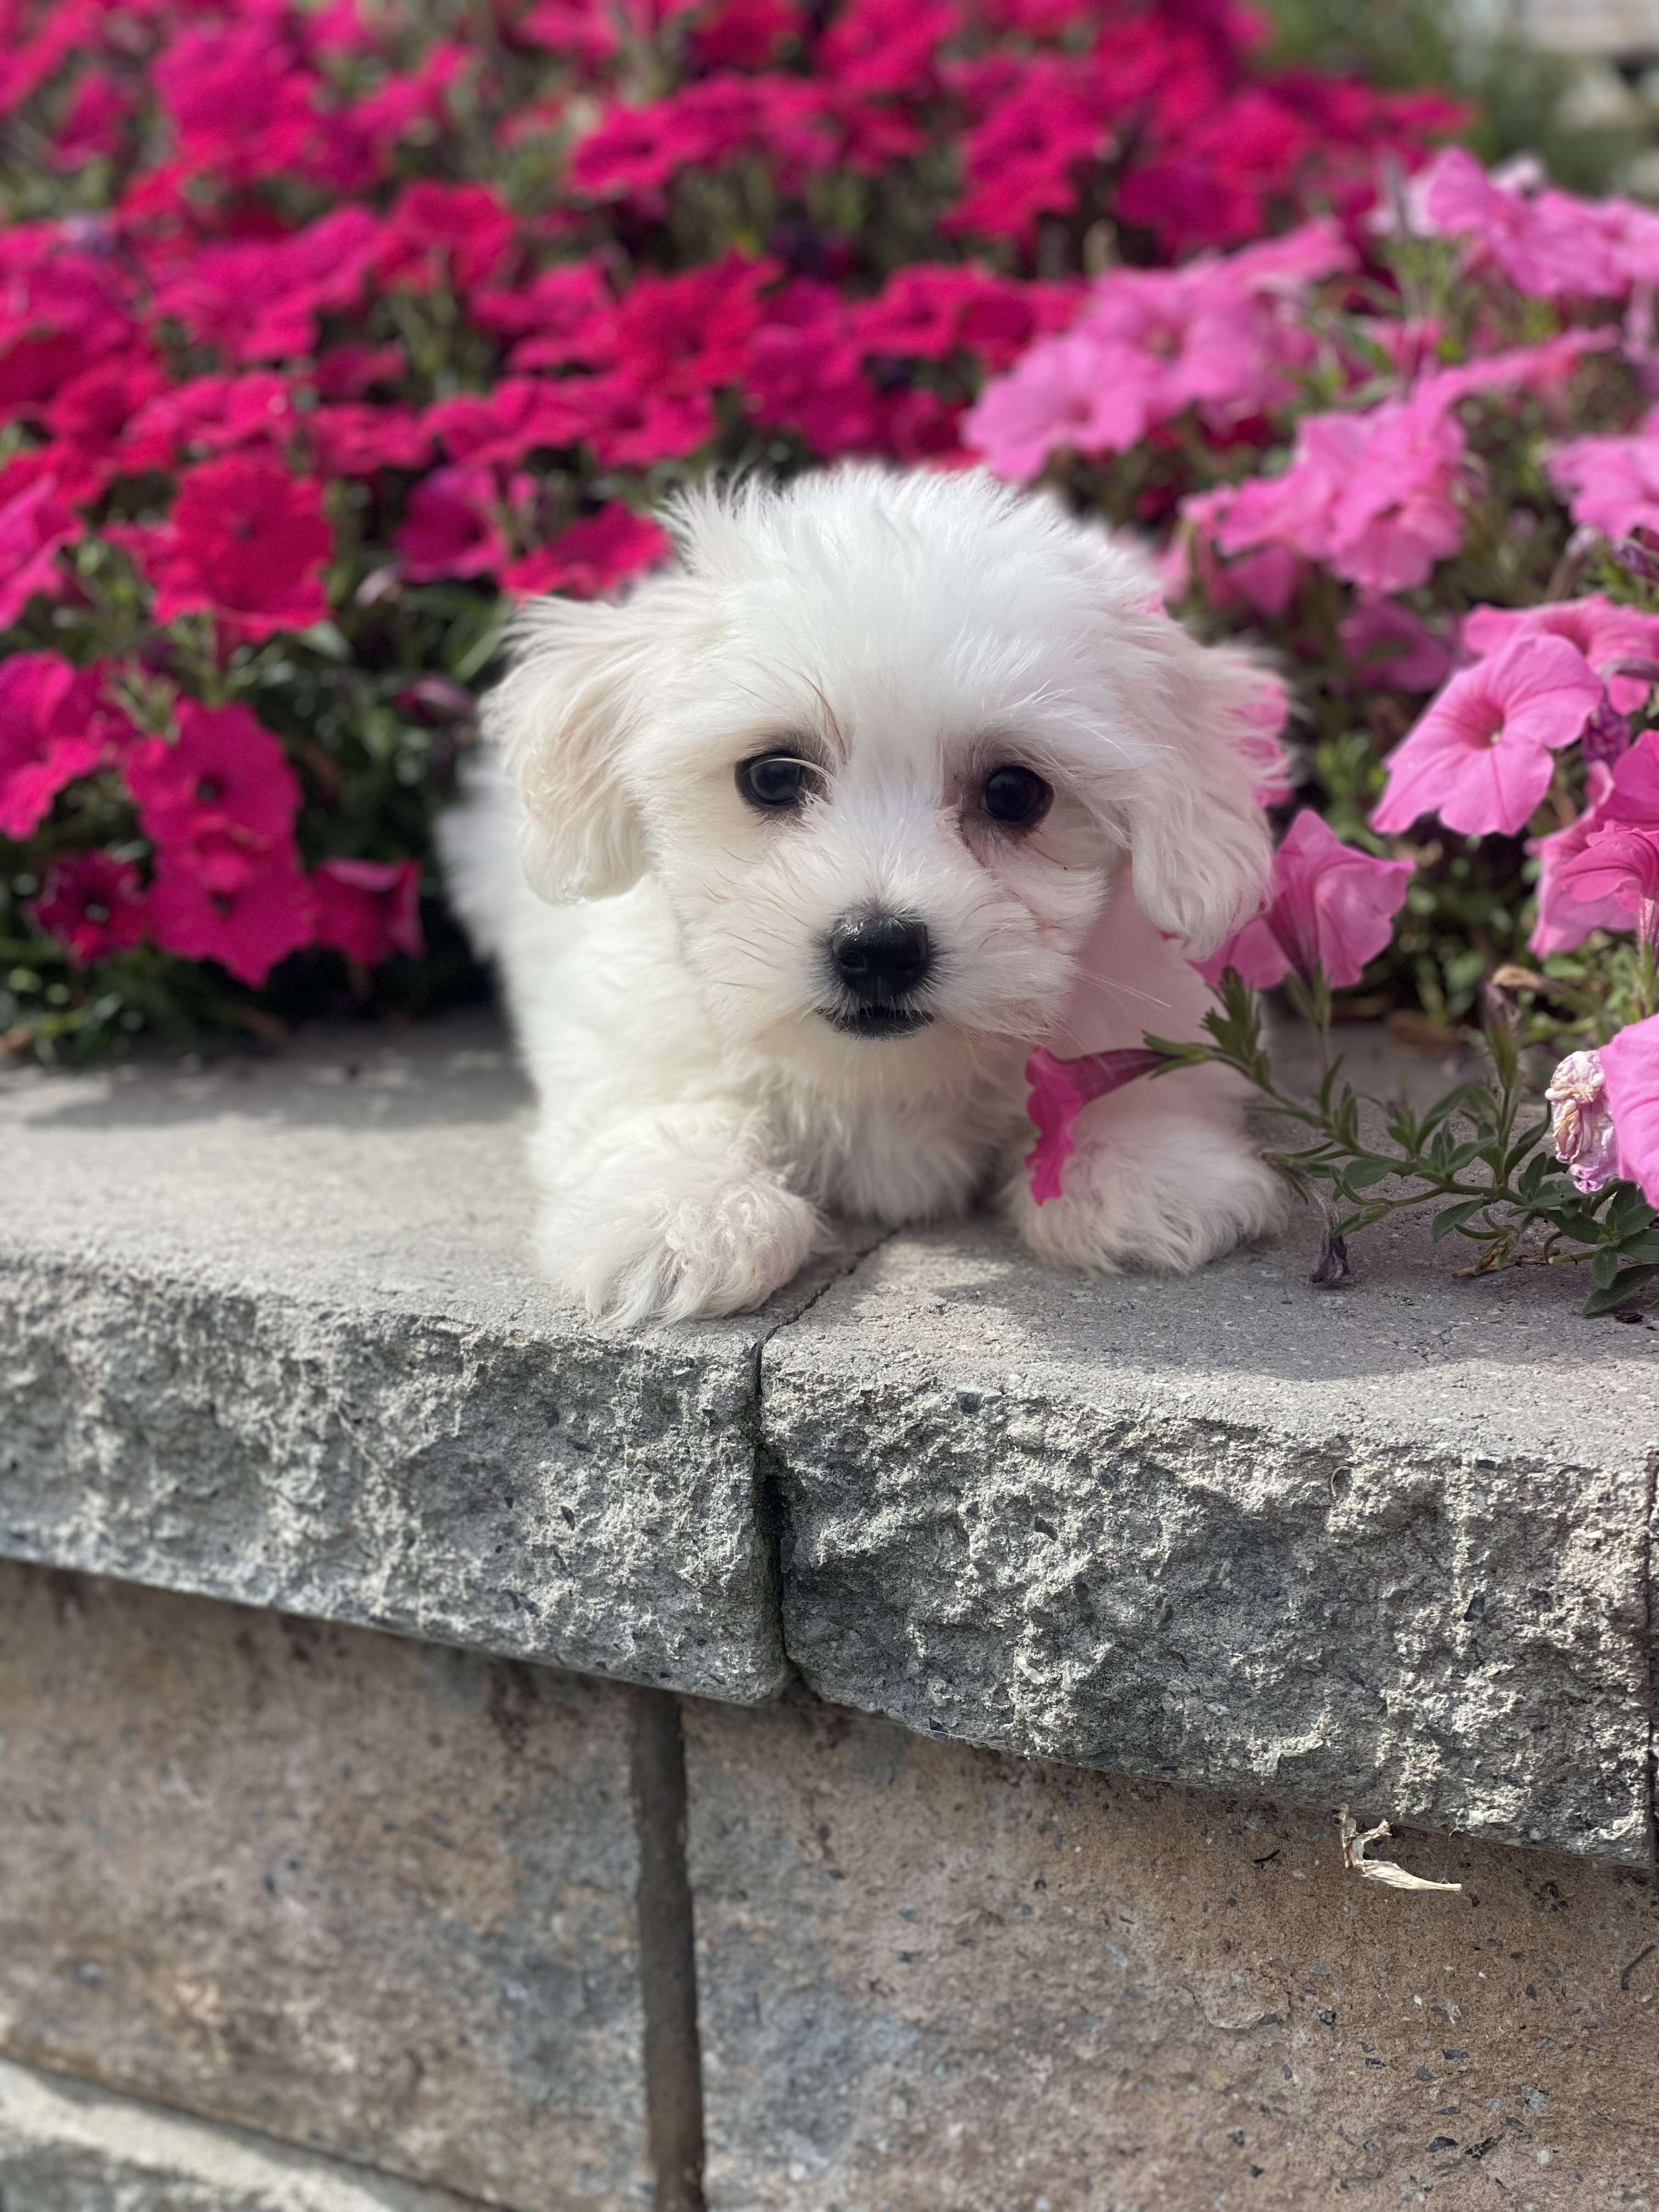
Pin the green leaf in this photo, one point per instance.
(1523, 1145)
(1629, 1212)
(1642, 1247)
(1361, 1174)
(1605, 1266)
(1453, 1217)
(1624, 1286)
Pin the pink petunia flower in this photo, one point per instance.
(1332, 910)
(1611, 484)
(1386, 642)
(1602, 631)
(1624, 793)
(1061, 1089)
(1630, 1063)
(368, 909)
(1479, 757)
(93, 903)
(1564, 918)
(1581, 1123)
(1618, 864)
(592, 557)
(54, 725)
(1541, 241)
(1073, 392)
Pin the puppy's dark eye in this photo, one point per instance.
(774, 781)
(1016, 795)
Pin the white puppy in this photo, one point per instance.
(829, 826)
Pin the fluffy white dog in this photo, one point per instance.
(892, 778)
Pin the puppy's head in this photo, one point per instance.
(885, 743)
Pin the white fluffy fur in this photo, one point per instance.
(698, 1113)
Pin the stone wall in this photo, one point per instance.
(376, 1902)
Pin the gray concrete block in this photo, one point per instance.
(1387, 1544)
(271, 1331)
(368, 1896)
(66, 2146)
(938, 1979)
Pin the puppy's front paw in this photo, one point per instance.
(676, 1239)
(1170, 1194)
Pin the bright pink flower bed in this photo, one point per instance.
(323, 337)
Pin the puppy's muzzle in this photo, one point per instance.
(881, 962)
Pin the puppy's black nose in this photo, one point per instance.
(881, 957)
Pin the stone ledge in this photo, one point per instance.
(1387, 1546)
(269, 1333)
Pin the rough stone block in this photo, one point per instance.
(271, 1331)
(938, 1979)
(368, 1896)
(1387, 1544)
(68, 2147)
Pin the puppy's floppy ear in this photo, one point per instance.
(561, 718)
(1199, 841)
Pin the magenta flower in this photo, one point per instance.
(1582, 1122)
(224, 766)
(1630, 1064)
(1061, 1089)
(1479, 758)
(35, 526)
(1332, 910)
(93, 903)
(1602, 631)
(246, 542)
(590, 557)
(368, 909)
(452, 526)
(54, 725)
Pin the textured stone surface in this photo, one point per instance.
(68, 2147)
(365, 1895)
(1387, 1544)
(936, 1979)
(271, 1331)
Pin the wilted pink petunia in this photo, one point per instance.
(1581, 1123)
(1630, 1063)
(1061, 1089)
(1479, 757)
(1602, 631)
(1332, 910)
